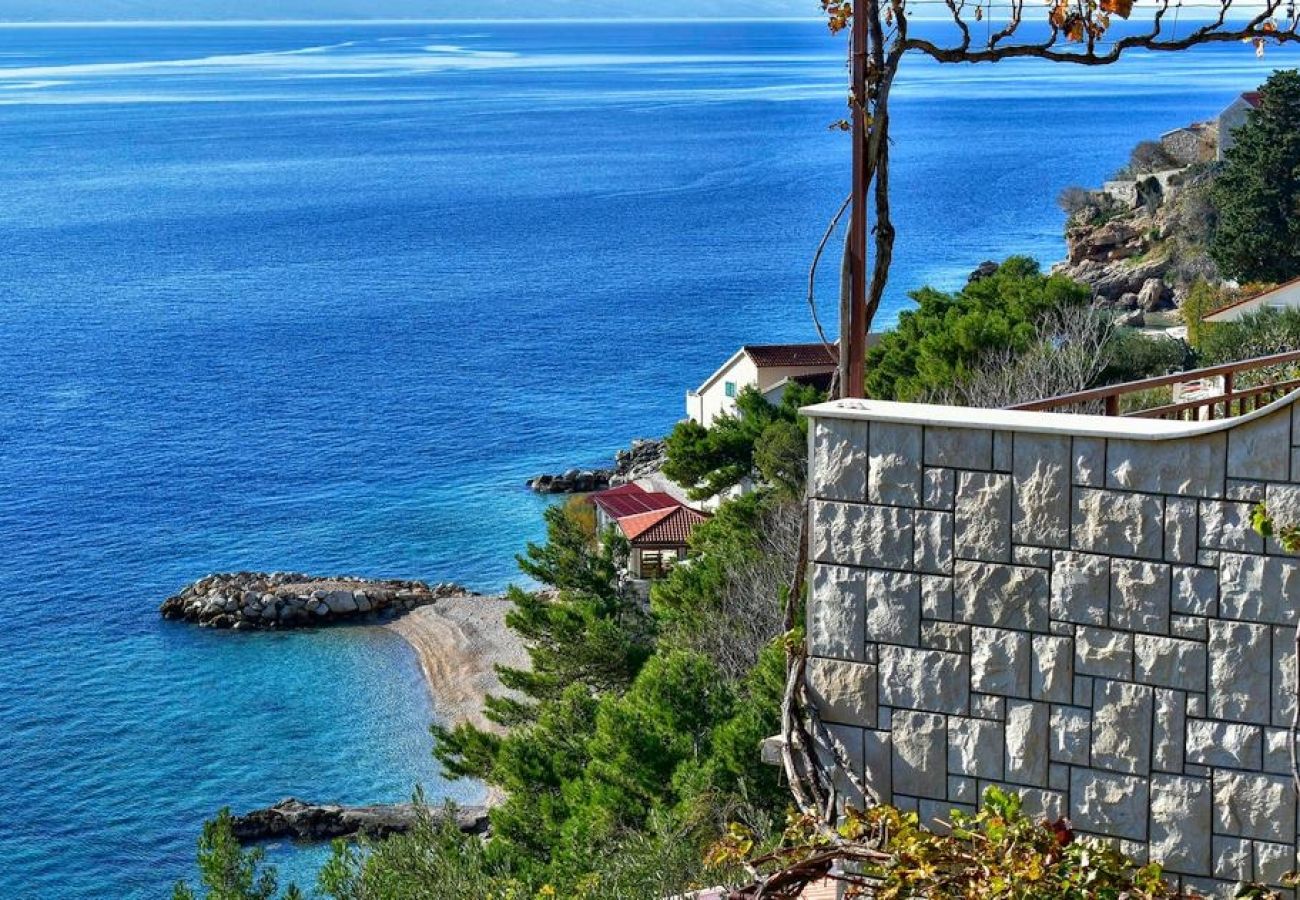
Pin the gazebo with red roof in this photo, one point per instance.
(657, 526)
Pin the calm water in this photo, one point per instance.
(323, 297)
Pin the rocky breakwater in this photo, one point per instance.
(253, 600)
(294, 819)
(643, 459)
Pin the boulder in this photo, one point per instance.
(1132, 319)
(292, 818)
(1155, 295)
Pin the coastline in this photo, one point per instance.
(459, 642)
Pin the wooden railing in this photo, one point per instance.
(1232, 401)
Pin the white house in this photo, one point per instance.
(1281, 297)
(1234, 117)
(769, 367)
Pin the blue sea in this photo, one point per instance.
(322, 297)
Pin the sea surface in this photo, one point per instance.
(322, 297)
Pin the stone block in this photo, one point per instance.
(1192, 467)
(937, 814)
(1195, 591)
(1041, 477)
(1121, 727)
(1246, 491)
(1191, 628)
(1039, 804)
(940, 489)
(1058, 776)
(893, 607)
(959, 448)
(1027, 742)
(962, 789)
(1104, 653)
(1226, 526)
(1031, 556)
(1196, 704)
(1118, 524)
(1241, 665)
(1090, 462)
(1169, 662)
(1181, 533)
(877, 753)
(984, 706)
(837, 613)
(920, 743)
(975, 747)
(1207, 558)
(1232, 744)
(847, 752)
(1259, 449)
(1259, 588)
(1080, 588)
(1168, 730)
(1180, 824)
(983, 517)
(936, 597)
(839, 460)
(1233, 859)
(1295, 464)
(1284, 686)
(947, 636)
(1002, 451)
(894, 464)
(1004, 596)
(1108, 803)
(844, 692)
(1083, 690)
(868, 536)
(925, 680)
(1283, 502)
(1000, 662)
(1255, 806)
(1071, 735)
(934, 542)
(1052, 675)
(1273, 862)
(1277, 751)
(1139, 596)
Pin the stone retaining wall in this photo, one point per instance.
(1072, 607)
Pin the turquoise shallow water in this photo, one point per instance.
(322, 297)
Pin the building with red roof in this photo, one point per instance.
(1234, 116)
(657, 526)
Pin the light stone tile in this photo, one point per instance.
(837, 613)
(940, 489)
(1195, 591)
(1080, 588)
(867, 536)
(1231, 744)
(893, 607)
(1259, 588)
(982, 529)
(1258, 449)
(1283, 502)
(1210, 888)
(1139, 596)
(1241, 665)
(877, 751)
(1260, 806)
(947, 636)
(1090, 462)
(959, 448)
(1058, 776)
(1190, 466)
(937, 814)
(1273, 862)
(962, 789)
(839, 466)
(1246, 491)
(1196, 704)
(1277, 751)
(1295, 465)
(1104, 653)
(1121, 727)
(975, 747)
(1180, 824)
(843, 692)
(934, 542)
(1115, 523)
(1038, 804)
(924, 680)
(1002, 451)
(1169, 662)
(1233, 859)
(1041, 478)
(1001, 595)
(847, 751)
(936, 597)
(1192, 628)
(984, 706)
(1109, 803)
(1180, 529)
(1227, 526)
(1207, 558)
(894, 464)
(1070, 735)
(1031, 556)
(1000, 662)
(1027, 742)
(1082, 688)
(1284, 686)
(1052, 676)
(920, 743)
(1168, 730)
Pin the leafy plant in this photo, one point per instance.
(229, 872)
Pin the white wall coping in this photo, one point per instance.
(1121, 427)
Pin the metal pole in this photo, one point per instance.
(853, 338)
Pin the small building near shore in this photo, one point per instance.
(1284, 296)
(770, 368)
(657, 527)
(1234, 116)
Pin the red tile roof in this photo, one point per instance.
(769, 356)
(1254, 98)
(662, 528)
(1254, 300)
(631, 499)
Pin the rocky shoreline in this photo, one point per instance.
(278, 600)
(293, 819)
(644, 458)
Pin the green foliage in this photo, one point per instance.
(781, 457)
(1133, 355)
(1202, 299)
(1257, 194)
(940, 341)
(567, 562)
(709, 461)
(1286, 535)
(1261, 333)
(229, 872)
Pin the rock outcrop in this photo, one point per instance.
(254, 600)
(642, 459)
(299, 821)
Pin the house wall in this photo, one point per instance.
(1193, 144)
(1231, 118)
(712, 401)
(1286, 296)
(1072, 607)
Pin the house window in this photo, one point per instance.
(730, 388)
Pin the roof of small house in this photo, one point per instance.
(771, 356)
(1254, 98)
(662, 527)
(1272, 297)
(631, 499)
